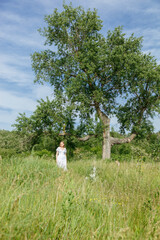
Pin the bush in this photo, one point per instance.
(122, 149)
(97, 150)
(7, 153)
(42, 153)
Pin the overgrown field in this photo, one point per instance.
(40, 201)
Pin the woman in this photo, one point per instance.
(61, 158)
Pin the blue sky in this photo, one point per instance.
(19, 38)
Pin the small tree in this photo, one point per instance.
(96, 73)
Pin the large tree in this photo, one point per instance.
(107, 75)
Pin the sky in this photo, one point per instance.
(19, 38)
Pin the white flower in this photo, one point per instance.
(93, 175)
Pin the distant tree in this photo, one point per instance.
(107, 75)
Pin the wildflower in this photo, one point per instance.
(93, 175)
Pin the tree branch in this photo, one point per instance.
(83, 139)
(64, 134)
(86, 138)
(102, 116)
(123, 140)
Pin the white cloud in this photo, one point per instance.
(13, 102)
(113, 5)
(15, 59)
(48, 6)
(20, 30)
(7, 117)
(153, 10)
(6, 16)
(19, 38)
(15, 74)
(156, 123)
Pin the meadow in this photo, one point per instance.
(41, 201)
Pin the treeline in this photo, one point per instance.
(141, 148)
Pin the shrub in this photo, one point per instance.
(42, 153)
(122, 149)
(7, 153)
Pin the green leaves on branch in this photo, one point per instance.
(50, 116)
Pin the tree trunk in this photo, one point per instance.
(106, 149)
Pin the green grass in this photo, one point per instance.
(40, 201)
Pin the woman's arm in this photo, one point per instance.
(56, 156)
(66, 155)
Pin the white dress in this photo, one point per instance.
(61, 158)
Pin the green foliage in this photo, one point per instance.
(42, 153)
(70, 145)
(68, 205)
(7, 140)
(7, 153)
(151, 145)
(48, 116)
(141, 149)
(12, 142)
(122, 149)
(97, 151)
(42, 128)
(115, 134)
(48, 142)
(144, 130)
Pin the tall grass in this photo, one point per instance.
(40, 201)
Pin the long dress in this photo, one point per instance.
(61, 158)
